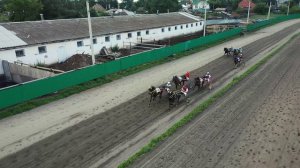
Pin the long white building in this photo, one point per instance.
(52, 41)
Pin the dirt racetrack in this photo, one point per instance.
(256, 124)
(85, 143)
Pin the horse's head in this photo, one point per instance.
(151, 89)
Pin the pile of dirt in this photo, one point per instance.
(74, 62)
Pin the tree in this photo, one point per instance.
(127, 4)
(261, 8)
(23, 10)
(295, 9)
(162, 5)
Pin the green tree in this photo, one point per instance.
(24, 10)
(127, 4)
(295, 9)
(162, 5)
(261, 8)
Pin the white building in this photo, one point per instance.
(200, 4)
(52, 41)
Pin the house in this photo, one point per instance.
(244, 4)
(98, 8)
(200, 4)
(119, 12)
(52, 41)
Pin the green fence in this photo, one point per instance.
(27, 91)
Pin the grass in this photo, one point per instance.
(28, 105)
(199, 109)
(272, 15)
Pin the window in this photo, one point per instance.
(196, 24)
(94, 41)
(147, 32)
(107, 39)
(20, 53)
(118, 37)
(175, 27)
(163, 30)
(169, 28)
(79, 43)
(181, 27)
(200, 23)
(187, 26)
(42, 49)
(192, 25)
(129, 35)
(138, 33)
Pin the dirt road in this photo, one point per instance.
(86, 142)
(255, 125)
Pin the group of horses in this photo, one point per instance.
(237, 55)
(179, 86)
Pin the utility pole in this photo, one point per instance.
(90, 31)
(248, 12)
(204, 25)
(269, 11)
(287, 13)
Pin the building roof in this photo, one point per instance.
(245, 4)
(48, 31)
(98, 8)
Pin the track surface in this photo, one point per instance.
(83, 144)
(255, 125)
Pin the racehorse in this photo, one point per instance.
(179, 81)
(174, 97)
(154, 92)
(198, 81)
(228, 51)
(208, 81)
(238, 61)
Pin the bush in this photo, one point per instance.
(261, 8)
(115, 48)
(283, 9)
(240, 10)
(295, 9)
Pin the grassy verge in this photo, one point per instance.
(199, 109)
(13, 110)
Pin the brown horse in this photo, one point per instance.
(179, 81)
(199, 82)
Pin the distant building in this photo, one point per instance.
(244, 4)
(98, 8)
(119, 12)
(52, 41)
(200, 4)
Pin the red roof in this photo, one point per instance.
(245, 3)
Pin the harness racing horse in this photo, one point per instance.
(179, 81)
(174, 97)
(238, 61)
(199, 82)
(154, 92)
(208, 81)
(228, 51)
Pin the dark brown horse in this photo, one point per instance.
(199, 82)
(179, 81)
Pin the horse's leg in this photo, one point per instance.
(150, 99)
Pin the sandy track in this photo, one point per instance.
(255, 125)
(83, 144)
